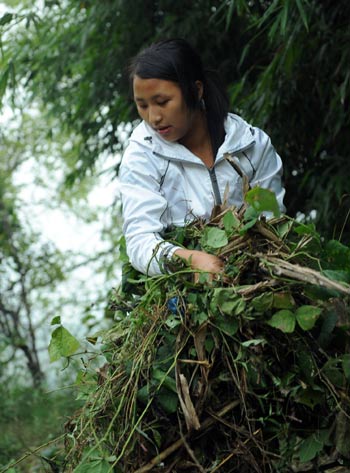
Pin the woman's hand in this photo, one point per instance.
(202, 261)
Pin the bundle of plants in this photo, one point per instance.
(248, 371)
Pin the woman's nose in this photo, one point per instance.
(154, 116)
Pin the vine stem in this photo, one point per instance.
(32, 452)
(176, 445)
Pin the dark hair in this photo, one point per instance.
(176, 60)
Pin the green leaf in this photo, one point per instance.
(227, 325)
(247, 226)
(227, 301)
(214, 238)
(307, 316)
(310, 397)
(330, 318)
(309, 448)
(283, 300)
(336, 255)
(56, 320)
(346, 366)
(230, 222)
(168, 401)
(255, 342)
(62, 344)
(251, 214)
(200, 318)
(305, 229)
(337, 275)
(334, 372)
(162, 378)
(302, 13)
(94, 466)
(283, 320)
(143, 394)
(263, 302)
(3, 82)
(263, 200)
(172, 321)
(94, 461)
(6, 18)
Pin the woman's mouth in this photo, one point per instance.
(164, 130)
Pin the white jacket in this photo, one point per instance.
(163, 184)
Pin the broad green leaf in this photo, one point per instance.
(283, 300)
(200, 318)
(283, 320)
(334, 372)
(247, 226)
(251, 214)
(168, 400)
(284, 228)
(346, 366)
(94, 466)
(263, 200)
(143, 394)
(309, 448)
(230, 222)
(305, 229)
(307, 316)
(336, 255)
(227, 325)
(62, 344)
(263, 302)
(306, 365)
(214, 238)
(310, 397)
(227, 301)
(172, 321)
(338, 275)
(329, 322)
(165, 380)
(94, 461)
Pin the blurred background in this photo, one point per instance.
(66, 113)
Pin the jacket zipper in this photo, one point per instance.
(215, 186)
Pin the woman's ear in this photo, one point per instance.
(199, 86)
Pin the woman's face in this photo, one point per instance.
(160, 103)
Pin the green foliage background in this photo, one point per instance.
(285, 63)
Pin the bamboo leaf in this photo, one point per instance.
(302, 13)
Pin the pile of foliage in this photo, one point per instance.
(246, 372)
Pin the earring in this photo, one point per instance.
(202, 104)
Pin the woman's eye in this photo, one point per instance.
(162, 103)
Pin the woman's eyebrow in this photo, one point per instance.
(154, 97)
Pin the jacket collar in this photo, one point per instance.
(239, 136)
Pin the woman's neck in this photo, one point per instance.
(198, 140)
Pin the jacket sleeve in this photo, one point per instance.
(268, 168)
(143, 208)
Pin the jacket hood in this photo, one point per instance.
(239, 136)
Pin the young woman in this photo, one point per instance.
(174, 169)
